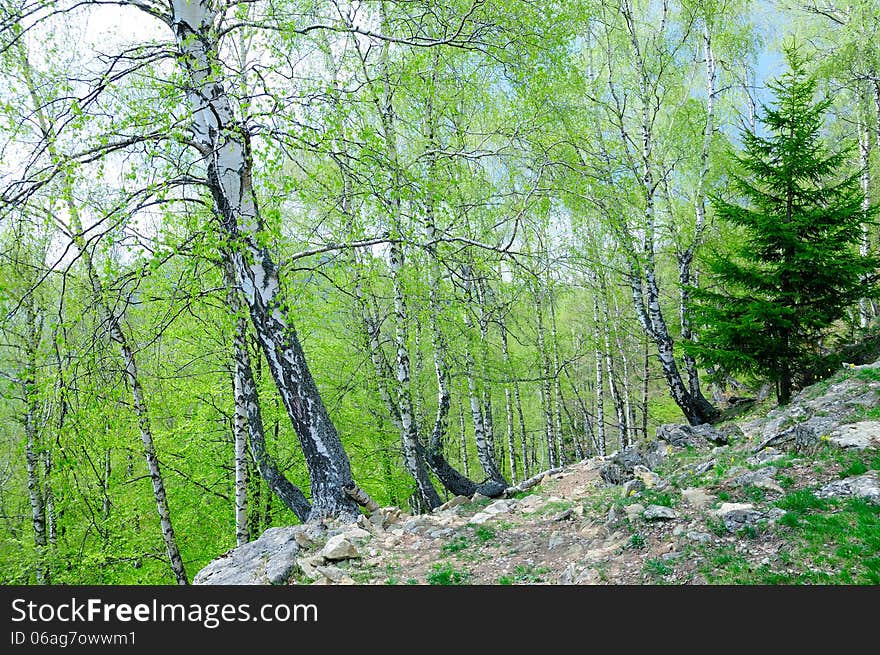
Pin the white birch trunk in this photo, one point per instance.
(223, 142)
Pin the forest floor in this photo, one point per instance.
(794, 497)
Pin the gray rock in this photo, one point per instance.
(619, 468)
(453, 502)
(697, 497)
(563, 515)
(632, 487)
(730, 432)
(857, 436)
(334, 574)
(531, 503)
(270, 559)
(699, 537)
(357, 535)
(676, 434)
(309, 565)
(650, 479)
(491, 489)
(737, 516)
(765, 456)
(556, 539)
(500, 507)
(865, 486)
(614, 516)
(480, 518)
(634, 511)
(775, 514)
(339, 548)
(702, 467)
(711, 434)
(653, 453)
(756, 477)
(478, 497)
(659, 512)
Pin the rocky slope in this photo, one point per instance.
(792, 496)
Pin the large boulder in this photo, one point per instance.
(865, 486)
(682, 435)
(270, 559)
(621, 466)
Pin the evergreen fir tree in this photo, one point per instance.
(794, 267)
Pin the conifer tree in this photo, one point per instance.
(793, 267)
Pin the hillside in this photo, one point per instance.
(784, 497)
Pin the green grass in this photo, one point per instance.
(556, 507)
(505, 580)
(455, 545)
(446, 574)
(652, 497)
(785, 481)
(484, 533)
(753, 493)
(716, 526)
(529, 573)
(637, 541)
(827, 542)
(855, 468)
(657, 568)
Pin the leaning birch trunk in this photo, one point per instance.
(448, 475)
(223, 143)
(686, 278)
(642, 274)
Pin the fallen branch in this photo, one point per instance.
(525, 485)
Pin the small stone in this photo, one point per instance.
(678, 530)
(755, 477)
(356, 535)
(556, 540)
(660, 512)
(566, 514)
(531, 503)
(500, 507)
(478, 497)
(738, 515)
(453, 502)
(480, 518)
(339, 548)
(650, 479)
(697, 497)
(634, 511)
(332, 573)
(699, 537)
(765, 456)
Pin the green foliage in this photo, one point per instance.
(446, 574)
(484, 533)
(637, 541)
(657, 568)
(794, 267)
